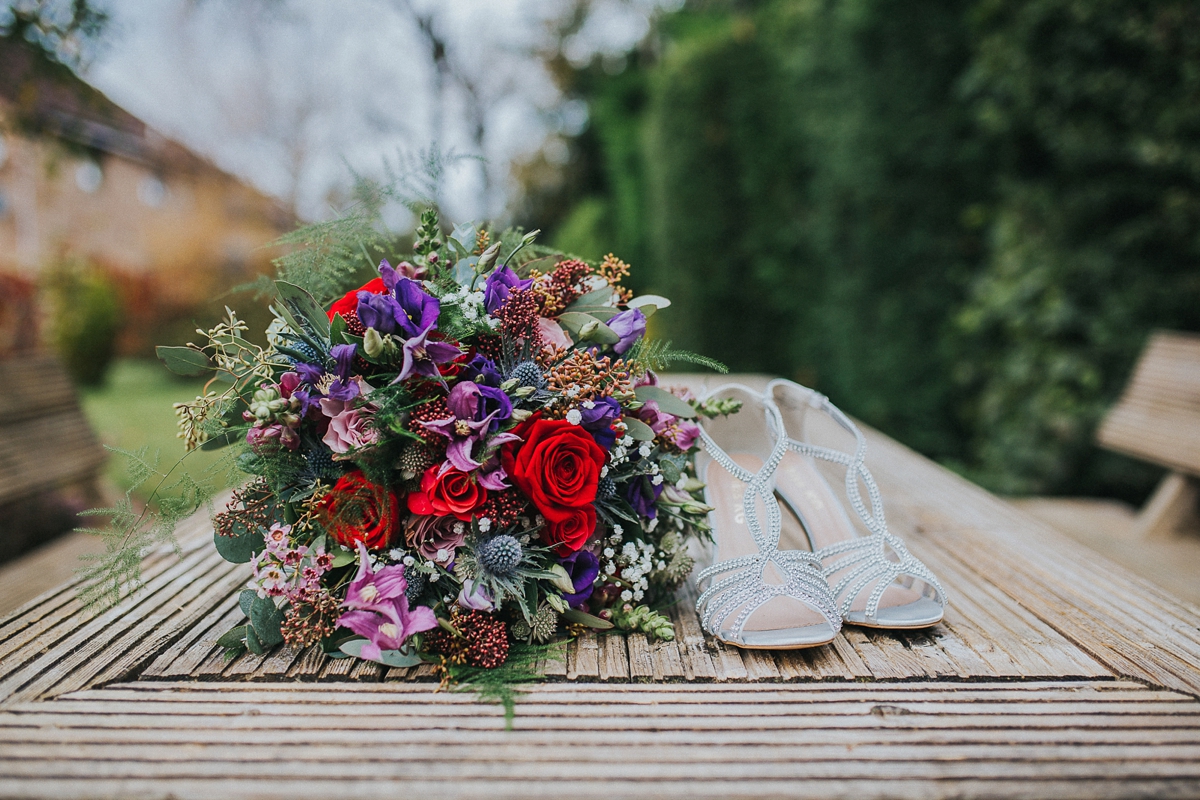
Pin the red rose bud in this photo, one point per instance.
(452, 492)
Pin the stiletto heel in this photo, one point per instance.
(876, 581)
(757, 596)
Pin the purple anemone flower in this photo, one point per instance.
(642, 495)
(583, 567)
(422, 356)
(630, 325)
(498, 286)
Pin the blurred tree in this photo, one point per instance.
(84, 319)
(1094, 110)
(65, 31)
(958, 218)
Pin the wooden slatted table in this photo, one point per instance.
(1055, 674)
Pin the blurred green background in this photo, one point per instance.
(960, 219)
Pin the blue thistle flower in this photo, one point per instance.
(500, 555)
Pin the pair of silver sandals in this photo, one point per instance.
(765, 470)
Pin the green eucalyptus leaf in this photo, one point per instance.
(343, 557)
(353, 647)
(184, 360)
(638, 429)
(667, 402)
(603, 297)
(400, 658)
(252, 642)
(240, 547)
(245, 599)
(602, 313)
(233, 637)
(658, 301)
(266, 620)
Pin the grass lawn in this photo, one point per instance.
(134, 410)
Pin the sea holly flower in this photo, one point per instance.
(630, 325)
(499, 285)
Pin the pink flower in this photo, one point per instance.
(379, 609)
(435, 538)
(552, 333)
(277, 538)
(349, 428)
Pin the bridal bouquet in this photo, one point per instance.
(467, 454)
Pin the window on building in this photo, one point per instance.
(152, 191)
(88, 177)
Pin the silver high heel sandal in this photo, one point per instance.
(758, 595)
(876, 581)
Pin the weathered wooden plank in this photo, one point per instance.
(583, 657)
(613, 657)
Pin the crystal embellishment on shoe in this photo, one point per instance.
(876, 580)
(760, 596)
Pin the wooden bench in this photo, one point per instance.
(1157, 419)
(1056, 673)
(46, 443)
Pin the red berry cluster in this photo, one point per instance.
(435, 409)
(561, 287)
(353, 323)
(519, 318)
(484, 640)
(503, 508)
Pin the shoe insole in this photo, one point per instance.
(820, 518)
(733, 538)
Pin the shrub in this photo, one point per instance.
(84, 311)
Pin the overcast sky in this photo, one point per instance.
(293, 94)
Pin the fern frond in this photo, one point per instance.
(656, 354)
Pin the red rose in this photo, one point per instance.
(558, 468)
(572, 532)
(356, 510)
(451, 492)
(349, 301)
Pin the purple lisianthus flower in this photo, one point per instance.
(379, 311)
(598, 420)
(498, 286)
(630, 325)
(474, 595)
(642, 495)
(482, 370)
(419, 309)
(583, 567)
(422, 356)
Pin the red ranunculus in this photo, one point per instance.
(349, 301)
(451, 492)
(356, 510)
(558, 468)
